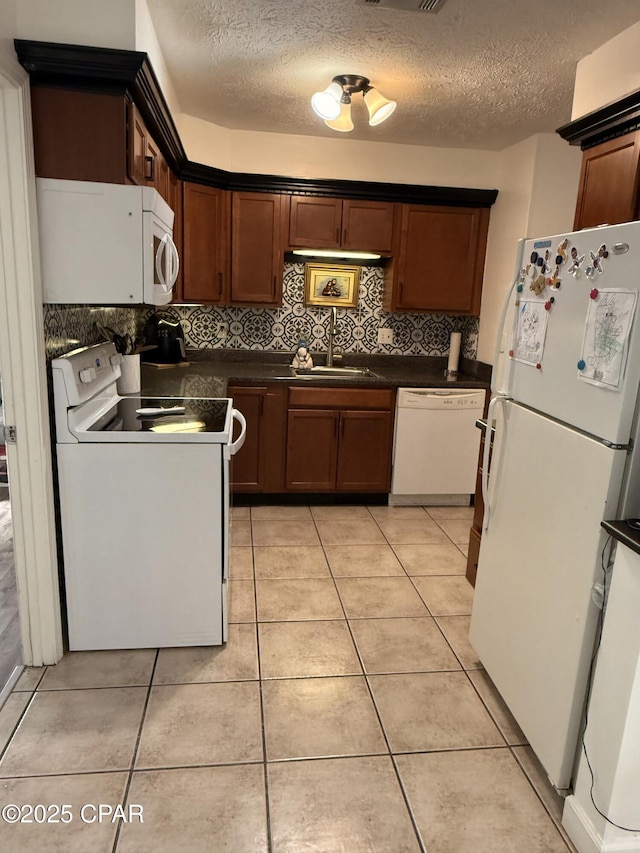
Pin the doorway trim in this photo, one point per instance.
(22, 356)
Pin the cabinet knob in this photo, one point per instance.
(151, 163)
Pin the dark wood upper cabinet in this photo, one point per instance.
(368, 225)
(438, 260)
(609, 188)
(174, 200)
(335, 223)
(315, 223)
(79, 136)
(257, 252)
(204, 251)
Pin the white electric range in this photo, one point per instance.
(144, 505)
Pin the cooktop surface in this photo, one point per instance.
(164, 415)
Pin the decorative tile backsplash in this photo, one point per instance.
(275, 329)
(69, 326)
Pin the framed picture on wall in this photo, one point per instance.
(333, 286)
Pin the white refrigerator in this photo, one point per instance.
(564, 418)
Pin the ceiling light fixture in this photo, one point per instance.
(334, 103)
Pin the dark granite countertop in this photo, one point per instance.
(210, 371)
(624, 533)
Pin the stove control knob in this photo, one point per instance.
(88, 374)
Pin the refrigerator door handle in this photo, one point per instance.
(500, 335)
(486, 498)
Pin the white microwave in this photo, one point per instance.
(105, 244)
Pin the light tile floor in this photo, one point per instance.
(353, 715)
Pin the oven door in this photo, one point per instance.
(161, 261)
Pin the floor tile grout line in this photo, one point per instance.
(561, 832)
(324, 551)
(435, 619)
(254, 763)
(263, 721)
(386, 740)
(136, 746)
(17, 725)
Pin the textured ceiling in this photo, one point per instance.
(479, 74)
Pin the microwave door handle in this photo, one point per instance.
(162, 247)
(165, 243)
(175, 260)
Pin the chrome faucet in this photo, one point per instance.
(332, 331)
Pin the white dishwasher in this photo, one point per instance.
(435, 451)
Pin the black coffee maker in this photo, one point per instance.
(167, 336)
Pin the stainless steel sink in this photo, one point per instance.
(322, 372)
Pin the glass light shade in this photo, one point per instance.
(343, 123)
(327, 104)
(378, 106)
(335, 253)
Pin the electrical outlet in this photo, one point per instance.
(222, 331)
(385, 336)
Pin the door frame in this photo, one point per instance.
(24, 377)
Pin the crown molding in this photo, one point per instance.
(129, 72)
(608, 122)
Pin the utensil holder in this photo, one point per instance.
(129, 381)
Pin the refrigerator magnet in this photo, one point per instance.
(561, 252)
(576, 263)
(538, 285)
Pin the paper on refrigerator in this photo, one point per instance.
(606, 337)
(531, 330)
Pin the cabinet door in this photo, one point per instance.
(609, 183)
(137, 166)
(205, 228)
(368, 225)
(257, 255)
(364, 451)
(160, 170)
(312, 446)
(441, 259)
(315, 223)
(174, 200)
(80, 136)
(247, 464)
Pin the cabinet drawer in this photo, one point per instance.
(342, 398)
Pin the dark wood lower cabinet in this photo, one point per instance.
(334, 448)
(313, 439)
(259, 464)
(312, 450)
(364, 452)
(475, 533)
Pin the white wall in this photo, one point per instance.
(339, 158)
(611, 71)
(537, 183)
(87, 22)
(8, 16)
(146, 40)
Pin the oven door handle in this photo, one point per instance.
(234, 446)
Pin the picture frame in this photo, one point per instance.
(333, 286)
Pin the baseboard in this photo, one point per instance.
(429, 500)
(584, 835)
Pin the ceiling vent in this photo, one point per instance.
(432, 6)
